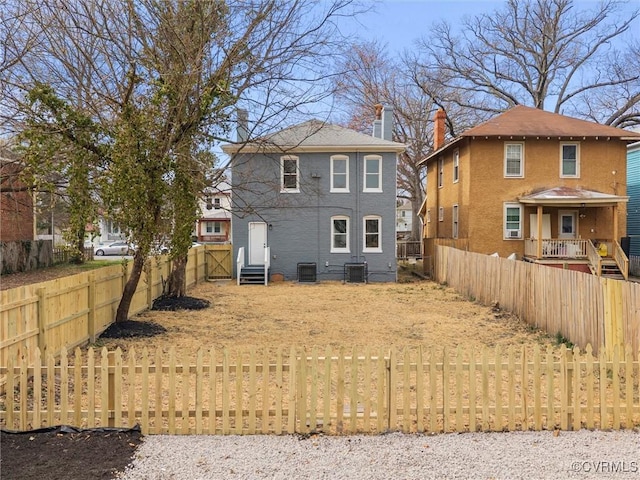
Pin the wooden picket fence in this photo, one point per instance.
(583, 308)
(335, 391)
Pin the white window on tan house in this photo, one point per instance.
(441, 214)
(456, 166)
(428, 215)
(372, 234)
(512, 221)
(454, 227)
(289, 172)
(373, 173)
(514, 160)
(440, 172)
(339, 174)
(340, 234)
(569, 160)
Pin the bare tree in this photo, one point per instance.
(154, 83)
(372, 77)
(548, 54)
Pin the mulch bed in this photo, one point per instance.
(67, 453)
(179, 303)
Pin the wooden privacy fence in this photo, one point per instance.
(583, 308)
(330, 391)
(73, 310)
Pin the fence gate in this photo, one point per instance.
(218, 261)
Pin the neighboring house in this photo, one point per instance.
(533, 185)
(633, 190)
(404, 219)
(317, 202)
(215, 224)
(16, 202)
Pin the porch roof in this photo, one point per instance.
(572, 197)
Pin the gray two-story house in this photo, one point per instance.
(315, 202)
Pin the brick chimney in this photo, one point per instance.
(438, 129)
(377, 123)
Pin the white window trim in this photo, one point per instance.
(521, 174)
(377, 189)
(377, 249)
(440, 173)
(577, 145)
(507, 235)
(456, 165)
(455, 224)
(282, 188)
(428, 215)
(340, 190)
(348, 242)
(441, 214)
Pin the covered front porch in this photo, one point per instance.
(576, 229)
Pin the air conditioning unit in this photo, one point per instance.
(307, 272)
(513, 233)
(355, 272)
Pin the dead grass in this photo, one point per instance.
(332, 314)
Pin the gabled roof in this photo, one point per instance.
(567, 196)
(316, 136)
(527, 122)
(530, 122)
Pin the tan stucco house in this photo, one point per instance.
(532, 185)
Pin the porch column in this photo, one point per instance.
(539, 234)
(615, 223)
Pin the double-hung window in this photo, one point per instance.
(213, 227)
(290, 174)
(456, 166)
(340, 173)
(340, 234)
(514, 160)
(512, 220)
(440, 172)
(454, 228)
(569, 160)
(372, 234)
(373, 173)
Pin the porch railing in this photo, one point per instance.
(407, 248)
(621, 259)
(595, 260)
(556, 248)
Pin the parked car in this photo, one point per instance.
(115, 248)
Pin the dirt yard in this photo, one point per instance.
(331, 314)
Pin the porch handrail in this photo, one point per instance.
(239, 263)
(621, 259)
(267, 263)
(595, 260)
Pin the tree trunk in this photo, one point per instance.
(130, 287)
(177, 281)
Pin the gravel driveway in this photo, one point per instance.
(518, 455)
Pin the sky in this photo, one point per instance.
(398, 23)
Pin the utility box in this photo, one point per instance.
(355, 272)
(307, 272)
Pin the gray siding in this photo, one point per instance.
(300, 223)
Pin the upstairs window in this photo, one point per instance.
(340, 234)
(514, 160)
(216, 204)
(440, 172)
(372, 173)
(339, 173)
(290, 174)
(441, 214)
(372, 234)
(456, 166)
(569, 161)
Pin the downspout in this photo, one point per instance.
(356, 222)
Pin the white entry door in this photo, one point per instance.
(568, 224)
(257, 242)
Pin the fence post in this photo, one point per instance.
(42, 319)
(149, 272)
(92, 307)
(111, 388)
